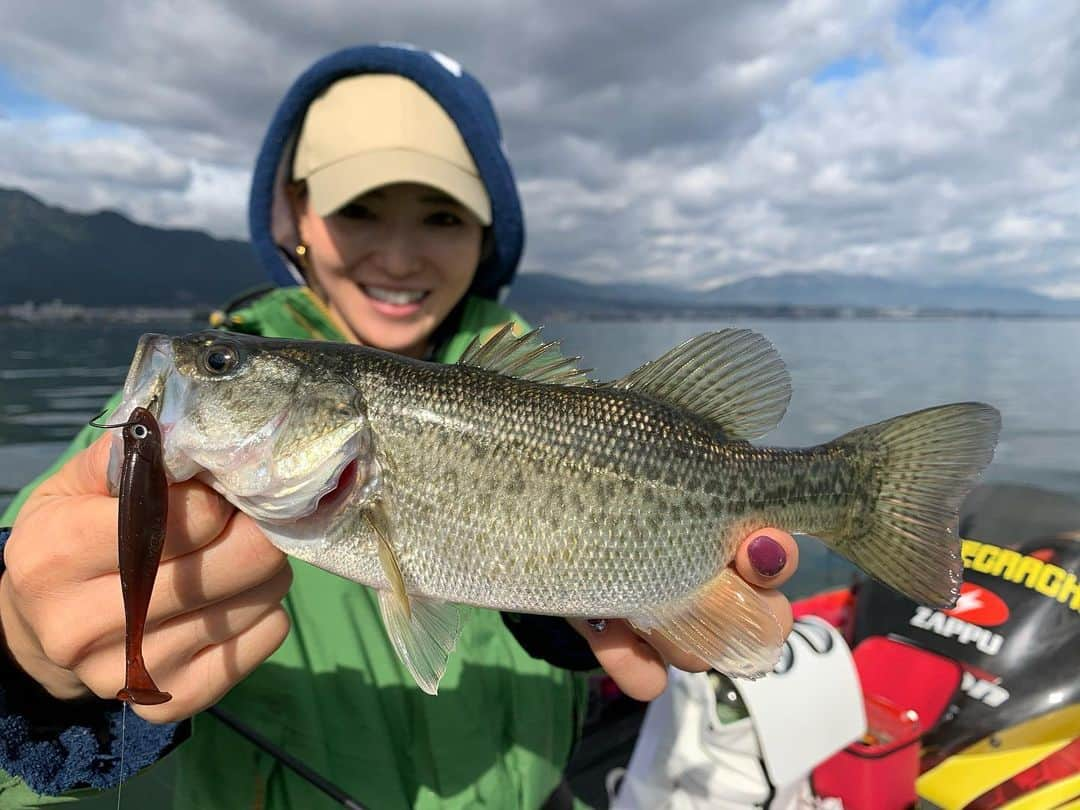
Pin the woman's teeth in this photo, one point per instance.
(400, 297)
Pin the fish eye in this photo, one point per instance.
(219, 359)
(139, 431)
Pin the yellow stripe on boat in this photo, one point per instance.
(964, 777)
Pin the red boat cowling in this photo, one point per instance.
(1008, 651)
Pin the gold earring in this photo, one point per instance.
(301, 249)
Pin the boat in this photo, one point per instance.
(882, 703)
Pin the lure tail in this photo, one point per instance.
(139, 687)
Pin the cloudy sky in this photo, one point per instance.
(692, 141)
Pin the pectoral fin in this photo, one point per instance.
(380, 522)
(423, 639)
(423, 631)
(725, 622)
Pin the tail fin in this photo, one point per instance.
(920, 467)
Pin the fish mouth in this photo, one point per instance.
(145, 382)
(146, 386)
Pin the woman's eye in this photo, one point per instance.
(443, 219)
(355, 210)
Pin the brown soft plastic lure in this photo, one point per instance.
(144, 508)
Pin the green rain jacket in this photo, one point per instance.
(334, 695)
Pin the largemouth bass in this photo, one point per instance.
(512, 481)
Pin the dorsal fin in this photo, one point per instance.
(525, 357)
(733, 378)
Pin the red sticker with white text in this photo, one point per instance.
(980, 606)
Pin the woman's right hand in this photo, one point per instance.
(214, 616)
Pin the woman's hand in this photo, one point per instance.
(638, 662)
(215, 613)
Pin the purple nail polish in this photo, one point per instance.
(766, 556)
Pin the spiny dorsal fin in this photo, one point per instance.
(525, 357)
(734, 378)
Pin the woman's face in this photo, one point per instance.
(392, 263)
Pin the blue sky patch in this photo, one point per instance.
(17, 102)
(850, 67)
(913, 15)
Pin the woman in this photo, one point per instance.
(383, 208)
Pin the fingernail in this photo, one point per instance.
(599, 625)
(766, 556)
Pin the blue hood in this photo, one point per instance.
(464, 99)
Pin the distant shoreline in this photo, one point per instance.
(59, 312)
(792, 313)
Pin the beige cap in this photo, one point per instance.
(376, 129)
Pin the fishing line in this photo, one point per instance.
(123, 706)
(94, 422)
(123, 735)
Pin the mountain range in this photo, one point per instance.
(784, 294)
(106, 260)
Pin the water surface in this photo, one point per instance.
(845, 373)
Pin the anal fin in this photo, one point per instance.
(724, 622)
(423, 639)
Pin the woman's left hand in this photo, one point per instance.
(638, 662)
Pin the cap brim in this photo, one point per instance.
(333, 186)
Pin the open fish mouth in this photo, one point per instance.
(146, 386)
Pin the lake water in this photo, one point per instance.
(845, 373)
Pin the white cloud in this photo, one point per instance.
(1019, 228)
(71, 161)
(685, 141)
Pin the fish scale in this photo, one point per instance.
(632, 539)
(512, 481)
